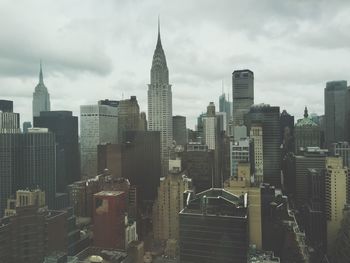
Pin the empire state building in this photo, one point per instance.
(160, 103)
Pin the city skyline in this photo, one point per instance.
(114, 59)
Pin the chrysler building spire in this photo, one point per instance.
(160, 102)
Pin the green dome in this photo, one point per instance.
(306, 121)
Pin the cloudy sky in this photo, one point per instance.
(94, 50)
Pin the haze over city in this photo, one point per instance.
(94, 50)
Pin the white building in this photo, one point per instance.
(256, 134)
(41, 97)
(98, 124)
(240, 152)
(9, 122)
(160, 103)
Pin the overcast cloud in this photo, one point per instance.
(94, 50)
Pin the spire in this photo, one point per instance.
(41, 78)
(306, 114)
(159, 42)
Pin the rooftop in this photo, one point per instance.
(109, 193)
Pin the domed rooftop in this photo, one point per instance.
(306, 121)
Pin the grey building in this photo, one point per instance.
(6, 105)
(342, 149)
(179, 130)
(268, 117)
(9, 122)
(41, 97)
(337, 104)
(65, 128)
(225, 106)
(311, 158)
(28, 160)
(214, 228)
(26, 125)
(160, 103)
(287, 132)
(242, 94)
(307, 133)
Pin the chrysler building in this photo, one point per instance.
(41, 97)
(160, 103)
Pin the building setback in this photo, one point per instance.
(65, 128)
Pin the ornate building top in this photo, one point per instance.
(306, 121)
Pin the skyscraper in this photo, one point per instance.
(225, 106)
(242, 94)
(128, 116)
(6, 105)
(9, 121)
(269, 117)
(180, 130)
(337, 105)
(98, 124)
(210, 127)
(65, 127)
(160, 102)
(256, 134)
(287, 132)
(41, 97)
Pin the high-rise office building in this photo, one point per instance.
(179, 130)
(26, 125)
(169, 203)
(335, 197)
(210, 127)
(307, 133)
(28, 161)
(256, 135)
(337, 106)
(128, 116)
(65, 128)
(242, 94)
(214, 228)
(287, 132)
(160, 103)
(269, 118)
(198, 161)
(6, 105)
(41, 97)
(141, 162)
(310, 158)
(109, 156)
(98, 124)
(9, 122)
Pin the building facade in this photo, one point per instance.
(98, 124)
(41, 96)
(242, 94)
(210, 127)
(179, 130)
(160, 102)
(256, 135)
(240, 153)
(128, 116)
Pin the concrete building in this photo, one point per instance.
(179, 130)
(65, 128)
(242, 94)
(25, 198)
(287, 132)
(98, 124)
(307, 133)
(335, 193)
(128, 116)
(26, 125)
(28, 161)
(169, 203)
(225, 106)
(41, 97)
(6, 105)
(240, 153)
(214, 228)
(160, 102)
(337, 111)
(256, 135)
(269, 118)
(109, 156)
(108, 216)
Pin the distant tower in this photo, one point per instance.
(160, 102)
(41, 97)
